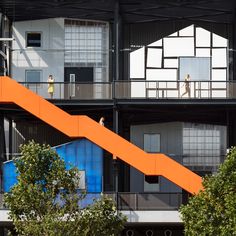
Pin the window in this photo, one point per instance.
(137, 63)
(204, 145)
(176, 47)
(152, 144)
(33, 76)
(219, 57)
(80, 180)
(203, 37)
(154, 57)
(87, 45)
(161, 74)
(199, 68)
(33, 39)
(188, 31)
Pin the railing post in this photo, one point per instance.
(117, 201)
(200, 89)
(178, 87)
(60, 91)
(179, 201)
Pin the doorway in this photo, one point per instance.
(79, 82)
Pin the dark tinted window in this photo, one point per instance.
(33, 40)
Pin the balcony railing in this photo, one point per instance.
(136, 201)
(149, 201)
(138, 89)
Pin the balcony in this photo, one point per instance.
(135, 201)
(137, 89)
(138, 207)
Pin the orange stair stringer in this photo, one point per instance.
(83, 126)
(147, 163)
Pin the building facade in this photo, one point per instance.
(162, 75)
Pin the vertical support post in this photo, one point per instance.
(116, 27)
(115, 161)
(232, 44)
(1, 45)
(2, 148)
(10, 138)
(2, 138)
(231, 127)
(4, 46)
(116, 38)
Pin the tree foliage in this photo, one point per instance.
(213, 211)
(45, 201)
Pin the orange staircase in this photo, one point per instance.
(83, 126)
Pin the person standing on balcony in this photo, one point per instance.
(50, 86)
(187, 85)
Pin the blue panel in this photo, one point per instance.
(9, 175)
(81, 153)
(86, 156)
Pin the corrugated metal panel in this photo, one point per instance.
(82, 153)
(86, 156)
(9, 175)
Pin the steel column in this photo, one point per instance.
(116, 42)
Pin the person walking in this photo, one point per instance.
(187, 85)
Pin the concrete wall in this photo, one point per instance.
(171, 144)
(49, 58)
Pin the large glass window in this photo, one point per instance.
(204, 146)
(197, 67)
(87, 45)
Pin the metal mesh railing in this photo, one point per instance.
(134, 201)
(149, 201)
(137, 89)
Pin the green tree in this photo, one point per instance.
(213, 211)
(46, 200)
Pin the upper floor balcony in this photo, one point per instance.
(136, 89)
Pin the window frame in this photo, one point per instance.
(33, 32)
(147, 187)
(35, 70)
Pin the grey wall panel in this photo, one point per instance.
(171, 144)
